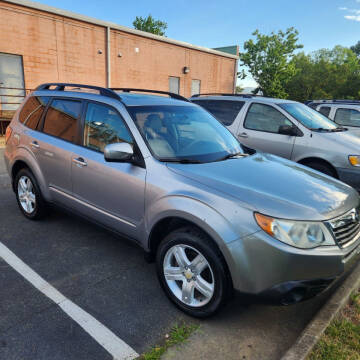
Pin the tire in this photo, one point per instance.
(322, 167)
(28, 195)
(206, 281)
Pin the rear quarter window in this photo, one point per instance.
(224, 110)
(32, 111)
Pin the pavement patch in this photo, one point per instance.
(107, 339)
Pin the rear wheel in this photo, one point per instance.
(192, 272)
(28, 195)
(322, 167)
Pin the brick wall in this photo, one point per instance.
(56, 48)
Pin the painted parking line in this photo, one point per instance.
(106, 338)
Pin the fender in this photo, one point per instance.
(195, 211)
(26, 156)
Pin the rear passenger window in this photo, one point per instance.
(347, 117)
(32, 110)
(266, 118)
(103, 126)
(62, 119)
(224, 110)
(325, 110)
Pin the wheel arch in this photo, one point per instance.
(307, 160)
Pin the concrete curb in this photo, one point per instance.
(313, 332)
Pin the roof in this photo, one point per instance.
(245, 98)
(91, 20)
(131, 99)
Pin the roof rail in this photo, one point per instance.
(328, 101)
(227, 94)
(172, 95)
(61, 87)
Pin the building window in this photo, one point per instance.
(195, 87)
(174, 84)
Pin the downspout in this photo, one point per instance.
(108, 58)
(236, 68)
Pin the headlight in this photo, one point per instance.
(354, 160)
(300, 234)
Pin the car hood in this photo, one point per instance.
(274, 186)
(349, 140)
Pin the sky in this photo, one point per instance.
(214, 23)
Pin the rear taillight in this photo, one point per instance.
(8, 134)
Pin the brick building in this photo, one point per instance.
(40, 44)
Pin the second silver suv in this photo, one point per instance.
(166, 174)
(291, 130)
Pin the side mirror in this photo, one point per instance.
(118, 152)
(290, 130)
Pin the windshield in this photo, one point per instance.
(308, 117)
(184, 133)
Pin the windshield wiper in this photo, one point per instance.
(181, 161)
(231, 155)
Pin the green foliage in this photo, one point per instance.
(149, 24)
(325, 74)
(238, 89)
(178, 334)
(356, 48)
(268, 59)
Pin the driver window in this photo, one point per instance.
(103, 126)
(347, 117)
(266, 118)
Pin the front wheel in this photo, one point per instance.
(192, 272)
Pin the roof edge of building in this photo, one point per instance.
(114, 26)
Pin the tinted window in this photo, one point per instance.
(62, 118)
(32, 110)
(183, 133)
(103, 126)
(263, 117)
(224, 110)
(349, 117)
(325, 110)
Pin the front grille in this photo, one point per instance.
(346, 228)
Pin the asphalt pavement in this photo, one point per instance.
(108, 278)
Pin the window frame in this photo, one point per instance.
(342, 108)
(264, 131)
(42, 121)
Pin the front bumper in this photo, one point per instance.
(265, 267)
(350, 176)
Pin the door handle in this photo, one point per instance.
(243, 135)
(35, 144)
(80, 161)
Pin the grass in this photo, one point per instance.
(341, 340)
(177, 335)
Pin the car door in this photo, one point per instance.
(260, 130)
(110, 192)
(55, 143)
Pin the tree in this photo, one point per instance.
(356, 48)
(149, 24)
(269, 60)
(239, 89)
(325, 74)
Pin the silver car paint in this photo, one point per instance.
(219, 197)
(334, 148)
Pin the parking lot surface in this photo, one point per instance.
(108, 278)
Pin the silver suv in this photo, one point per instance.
(291, 130)
(166, 174)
